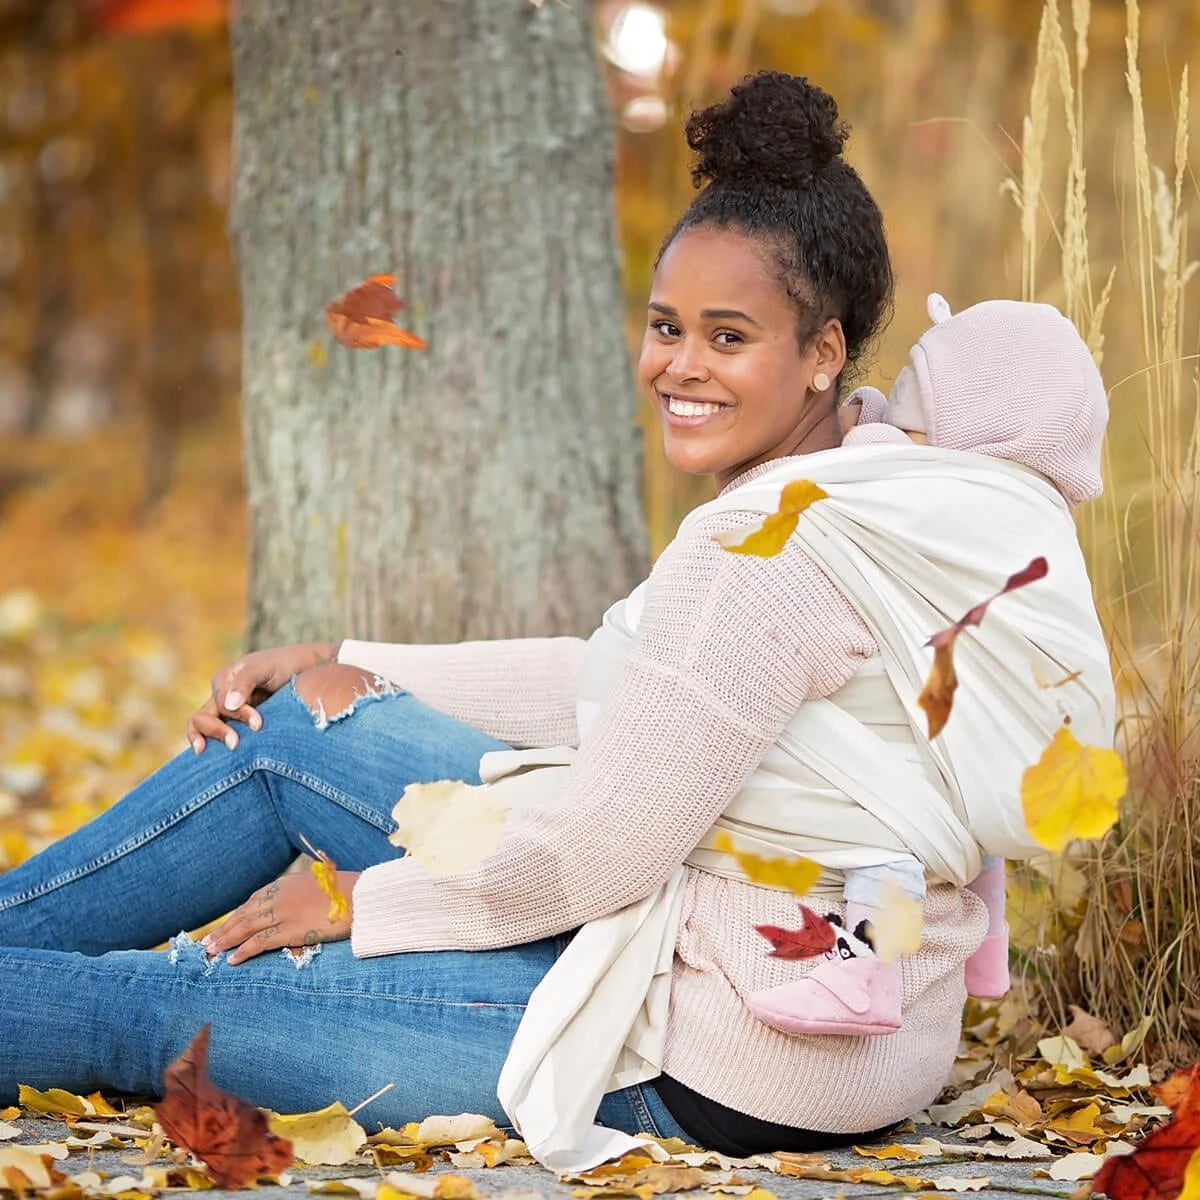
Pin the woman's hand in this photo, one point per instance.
(291, 911)
(240, 687)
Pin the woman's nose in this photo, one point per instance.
(687, 363)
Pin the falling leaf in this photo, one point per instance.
(363, 318)
(1072, 791)
(793, 874)
(1156, 1168)
(328, 1137)
(937, 696)
(448, 826)
(766, 538)
(324, 871)
(815, 936)
(226, 1133)
(1191, 1178)
(897, 923)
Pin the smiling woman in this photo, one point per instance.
(614, 945)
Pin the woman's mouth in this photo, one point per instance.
(691, 411)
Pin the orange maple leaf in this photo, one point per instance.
(363, 318)
(937, 696)
(324, 871)
(228, 1134)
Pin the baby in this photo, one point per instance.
(1011, 380)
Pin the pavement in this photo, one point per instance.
(526, 1182)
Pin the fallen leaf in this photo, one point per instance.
(1180, 1092)
(328, 1137)
(895, 1150)
(1089, 1032)
(766, 538)
(363, 318)
(230, 1136)
(794, 874)
(8, 1131)
(54, 1102)
(448, 827)
(1072, 791)
(449, 1131)
(815, 936)
(428, 1187)
(897, 923)
(1130, 1043)
(937, 696)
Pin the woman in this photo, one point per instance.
(772, 284)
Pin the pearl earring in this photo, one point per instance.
(820, 381)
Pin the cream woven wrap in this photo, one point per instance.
(914, 537)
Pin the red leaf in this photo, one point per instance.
(937, 696)
(363, 318)
(1181, 1092)
(229, 1135)
(814, 937)
(1154, 1171)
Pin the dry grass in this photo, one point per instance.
(1120, 932)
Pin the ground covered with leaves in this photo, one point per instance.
(1053, 1125)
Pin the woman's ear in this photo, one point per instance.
(828, 349)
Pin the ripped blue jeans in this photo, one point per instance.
(86, 1004)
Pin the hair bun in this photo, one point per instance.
(771, 128)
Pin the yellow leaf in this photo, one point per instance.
(763, 539)
(324, 870)
(897, 923)
(767, 537)
(1072, 791)
(327, 1138)
(11, 1113)
(54, 1102)
(1191, 1178)
(448, 827)
(35, 1168)
(449, 1131)
(792, 874)
(895, 1150)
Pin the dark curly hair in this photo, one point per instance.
(768, 162)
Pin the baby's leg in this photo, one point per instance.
(987, 969)
(852, 991)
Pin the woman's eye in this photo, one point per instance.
(665, 328)
(734, 339)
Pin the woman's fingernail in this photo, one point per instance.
(231, 740)
(233, 701)
(255, 722)
(198, 745)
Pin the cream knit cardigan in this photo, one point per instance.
(727, 649)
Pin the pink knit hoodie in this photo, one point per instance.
(1005, 378)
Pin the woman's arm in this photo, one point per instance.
(520, 690)
(728, 648)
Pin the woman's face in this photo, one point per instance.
(721, 362)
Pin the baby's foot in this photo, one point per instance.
(850, 996)
(987, 969)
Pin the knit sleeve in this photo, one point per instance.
(520, 690)
(728, 647)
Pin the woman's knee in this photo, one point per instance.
(332, 691)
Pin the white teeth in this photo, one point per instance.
(684, 408)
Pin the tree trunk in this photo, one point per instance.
(489, 485)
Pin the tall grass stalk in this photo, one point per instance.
(1129, 946)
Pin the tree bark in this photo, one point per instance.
(489, 485)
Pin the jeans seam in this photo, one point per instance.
(641, 1108)
(233, 779)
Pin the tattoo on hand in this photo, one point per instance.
(268, 933)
